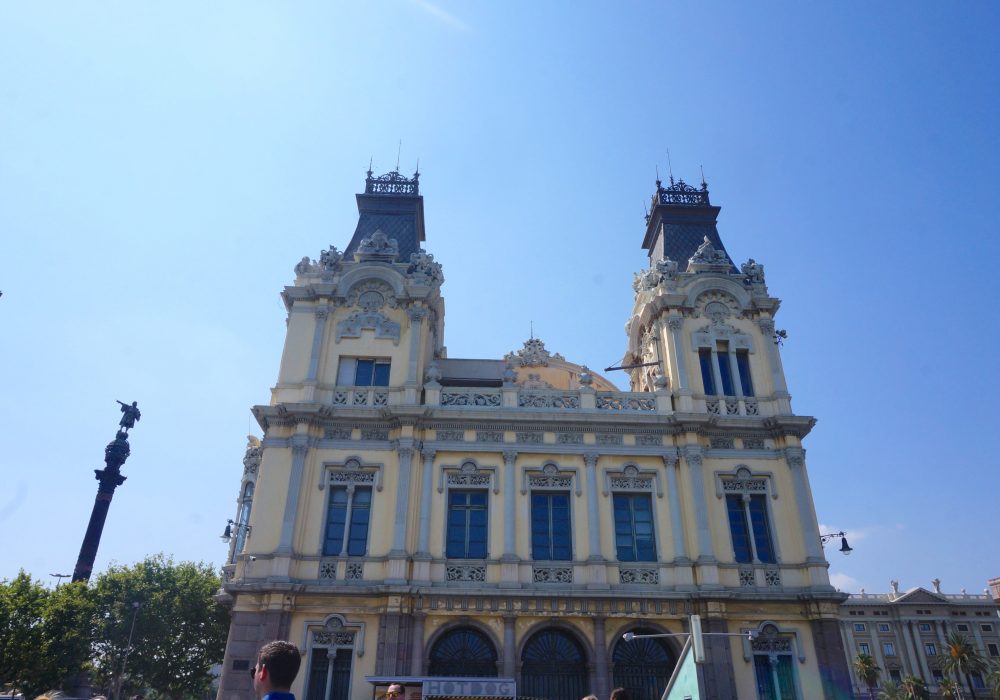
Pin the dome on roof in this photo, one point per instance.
(537, 368)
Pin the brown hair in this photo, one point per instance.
(282, 660)
(619, 694)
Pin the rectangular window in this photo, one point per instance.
(746, 518)
(707, 376)
(347, 518)
(634, 536)
(994, 650)
(977, 680)
(360, 371)
(883, 627)
(743, 365)
(895, 675)
(467, 520)
(930, 649)
(775, 679)
(859, 627)
(320, 671)
(986, 628)
(550, 527)
(725, 372)
(962, 628)
(865, 649)
(938, 675)
(924, 627)
(888, 649)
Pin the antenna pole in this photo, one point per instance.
(398, 151)
(670, 167)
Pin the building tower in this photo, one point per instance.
(413, 517)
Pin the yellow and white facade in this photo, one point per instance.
(410, 516)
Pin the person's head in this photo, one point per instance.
(590, 697)
(394, 692)
(276, 667)
(619, 694)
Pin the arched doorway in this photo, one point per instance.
(554, 666)
(464, 651)
(642, 666)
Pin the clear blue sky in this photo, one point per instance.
(163, 167)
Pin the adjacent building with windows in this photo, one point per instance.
(417, 517)
(905, 632)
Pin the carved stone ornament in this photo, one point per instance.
(378, 246)
(667, 268)
(533, 353)
(535, 381)
(645, 280)
(358, 321)
(586, 378)
(423, 270)
(753, 273)
(432, 375)
(717, 306)
(329, 259)
(708, 259)
(305, 266)
(371, 295)
(509, 375)
(251, 460)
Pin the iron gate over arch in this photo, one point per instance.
(643, 666)
(554, 666)
(464, 651)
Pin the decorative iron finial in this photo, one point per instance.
(670, 167)
(704, 185)
(370, 159)
(416, 173)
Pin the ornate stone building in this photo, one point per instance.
(413, 516)
(905, 632)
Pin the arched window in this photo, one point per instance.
(554, 666)
(246, 500)
(642, 666)
(464, 651)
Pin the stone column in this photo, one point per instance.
(919, 652)
(509, 573)
(717, 375)
(416, 315)
(598, 572)
(709, 573)
(682, 383)
(601, 665)
(734, 372)
(795, 458)
(322, 312)
(676, 516)
(417, 645)
(397, 556)
(422, 559)
(509, 646)
(300, 448)
(831, 658)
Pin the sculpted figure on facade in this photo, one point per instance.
(533, 353)
(707, 258)
(306, 266)
(433, 374)
(251, 460)
(646, 280)
(509, 375)
(753, 271)
(330, 258)
(378, 246)
(423, 269)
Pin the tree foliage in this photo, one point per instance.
(179, 630)
(47, 636)
(868, 671)
(44, 634)
(962, 658)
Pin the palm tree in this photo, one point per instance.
(891, 691)
(868, 671)
(950, 690)
(914, 688)
(962, 658)
(993, 679)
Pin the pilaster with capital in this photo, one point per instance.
(322, 313)
(405, 452)
(509, 501)
(693, 457)
(795, 457)
(676, 516)
(593, 522)
(426, 489)
(601, 665)
(416, 645)
(766, 326)
(300, 449)
(509, 645)
(416, 314)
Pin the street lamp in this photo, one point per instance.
(228, 532)
(845, 548)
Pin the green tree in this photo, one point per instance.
(891, 691)
(868, 671)
(950, 689)
(962, 658)
(169, 641)
(44, 634)
(993, 679)
(914, 688)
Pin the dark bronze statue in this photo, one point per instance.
(130, 414)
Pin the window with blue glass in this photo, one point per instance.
(707, 374)
(347, 519)
(467, 525)
(743, 366)
(551, 539)
(246, 502)
(634, 537)
(725, 371)
(360, 371)
(750, 529)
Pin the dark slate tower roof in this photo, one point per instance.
(391, 203)
(681, 218)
